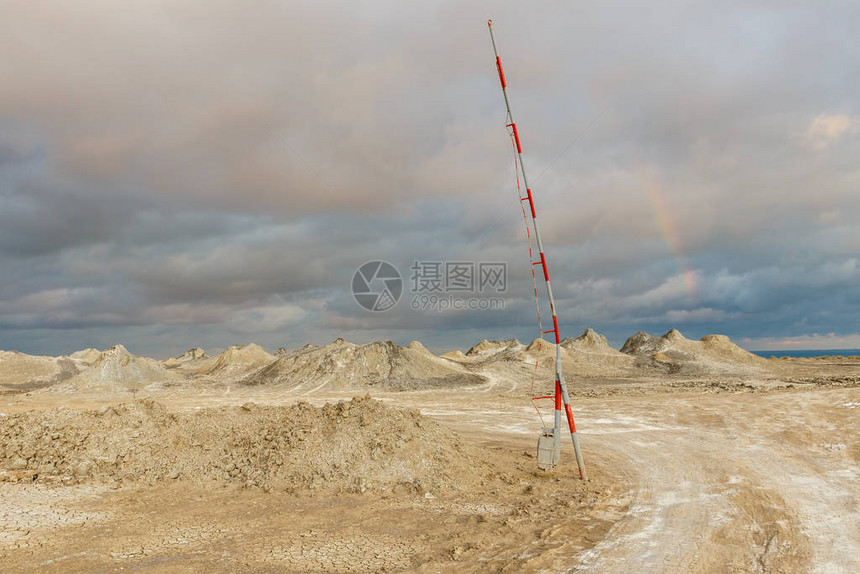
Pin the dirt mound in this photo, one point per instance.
(513, 363)
(349, 446)
(117, 370)
(194, 354)
(499, 359)
(346, 366)
(486, 347)
(190, 361)
(713, 354)
(538, 346)
(86, 357)
(642, 344)
(588, 355)
(19, 371)
(237, 361)
(722, 346)
(589, 342)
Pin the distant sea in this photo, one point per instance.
(809, 353)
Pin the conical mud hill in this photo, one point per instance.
(538, 346)
(593, 355)
(116, 370)
(720, 346)
(644, 345)
(342, 365)
(238, 361)
(491, 352)
(86, 357)
(589, 342)
(19, 371)
(486, 347)
(712, 354)
(588, 355)
(489, 366)
(194, 355)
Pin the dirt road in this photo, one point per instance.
(746, 482)
(742, 482)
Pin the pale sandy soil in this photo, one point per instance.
(756, 473)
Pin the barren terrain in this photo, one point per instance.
(701, 458)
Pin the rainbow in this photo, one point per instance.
(669, 230)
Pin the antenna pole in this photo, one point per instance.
(561, 395)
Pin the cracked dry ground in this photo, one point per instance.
(184, 527)
(692, 480)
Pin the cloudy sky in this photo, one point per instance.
(175, 174)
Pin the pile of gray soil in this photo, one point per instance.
(25, 372)
(353, 446)
(343, 366)
(712, 354)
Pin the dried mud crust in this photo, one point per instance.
(642, 386)
(355, 486)
(528, 522)
(351, 446)
(693, 481)
(30, 512)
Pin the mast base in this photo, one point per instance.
(548, 449)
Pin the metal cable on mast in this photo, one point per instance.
(552, 436)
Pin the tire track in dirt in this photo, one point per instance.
(803, 455)
(709, 487)
(727, 487)
(674, 506)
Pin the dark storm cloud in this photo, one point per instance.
(223, 170)
(37, 221)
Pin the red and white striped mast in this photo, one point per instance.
(561, 395)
